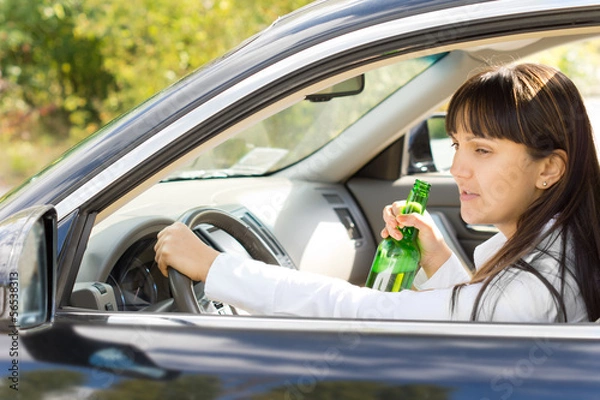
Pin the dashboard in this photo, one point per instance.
(306, 226)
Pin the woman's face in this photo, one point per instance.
(496, 180)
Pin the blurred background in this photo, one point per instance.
(68, 67)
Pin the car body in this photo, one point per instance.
(97, 320)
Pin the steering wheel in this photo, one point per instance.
(189, 296)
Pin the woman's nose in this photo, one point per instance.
(459, 168)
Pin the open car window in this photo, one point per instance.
(272, 144)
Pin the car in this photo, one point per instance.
(284, 150)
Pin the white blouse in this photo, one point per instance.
(263, 289)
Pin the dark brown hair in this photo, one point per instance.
(539, 107)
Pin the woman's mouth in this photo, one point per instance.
(466, 195)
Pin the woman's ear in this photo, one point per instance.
(552, 169)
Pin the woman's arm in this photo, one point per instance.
(450, 273)
(272, 290)
(276, 291)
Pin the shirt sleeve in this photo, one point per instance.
(451, 273)
(272, 290)
(276, 291)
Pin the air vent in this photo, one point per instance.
(348, 221)
(333, 198)
(269, 239)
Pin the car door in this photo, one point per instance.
(203, 357)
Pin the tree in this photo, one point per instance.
(49, 68)
(149, 44)
(68, 67)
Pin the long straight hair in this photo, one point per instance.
(539, 107)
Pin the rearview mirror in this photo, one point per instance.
(27, 269)
(349, 87)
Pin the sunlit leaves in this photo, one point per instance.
(68, 67)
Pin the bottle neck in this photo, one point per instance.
(415, 202)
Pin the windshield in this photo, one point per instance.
(298, 131)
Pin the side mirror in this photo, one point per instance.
(349, 87)
(27, 269)
(424, 158)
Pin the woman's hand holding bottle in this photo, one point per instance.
(434, 250)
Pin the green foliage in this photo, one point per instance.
(149, 44)
(579, 61)
(47, 66)
(68, 67)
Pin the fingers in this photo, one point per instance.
(391, 211)
(434, 250)
(389, 217)
(395, 220)
(414, 220)
(164, 248)
(178, 247)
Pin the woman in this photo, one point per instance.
(524, 161)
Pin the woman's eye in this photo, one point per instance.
(454, 145)
(482, 151)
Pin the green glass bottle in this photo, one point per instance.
(396, 261)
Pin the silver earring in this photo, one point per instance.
(544, 183)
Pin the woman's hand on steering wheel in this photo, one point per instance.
(178, 247)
